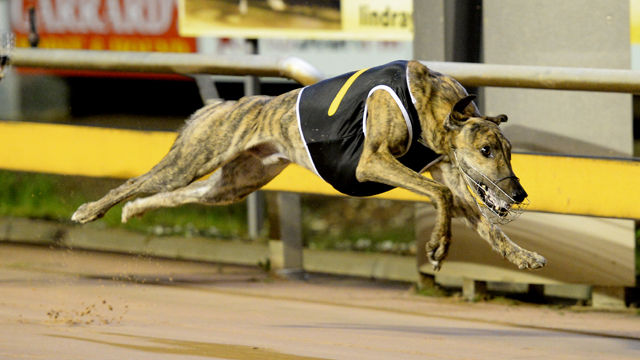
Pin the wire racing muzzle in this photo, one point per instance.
(494, 203)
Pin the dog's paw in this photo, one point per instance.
(525, 259)
(126, 213)
(129, 211)
(86, 213)
(135, 208)
(437, 252)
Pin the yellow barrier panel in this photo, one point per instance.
(80, 150)
(567, 185)
(580, 185)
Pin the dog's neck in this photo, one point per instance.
(432, 114)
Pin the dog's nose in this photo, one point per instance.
(519, 194)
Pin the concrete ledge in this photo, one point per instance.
(30, 231)
(376, 266)
(115, 240)
(608, 297)
(41, 232)
(207, 249)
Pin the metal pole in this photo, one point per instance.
(255, 201)
(540, 77)
(468, 74)
(251, 82)
(169, 63)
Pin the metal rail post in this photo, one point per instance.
(255, 201)
(287, 252)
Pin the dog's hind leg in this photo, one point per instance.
(231, 183)
(158, 179)
(210, 139)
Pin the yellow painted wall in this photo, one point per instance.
(567, 185)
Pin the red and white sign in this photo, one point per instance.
(122, 25)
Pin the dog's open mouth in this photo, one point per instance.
(494, 203)
(491, 200)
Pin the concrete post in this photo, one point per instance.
(286, 253)
(445, 30)
(608, 297)
(429, 27)
(472, 289)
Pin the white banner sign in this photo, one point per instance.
(384, 20)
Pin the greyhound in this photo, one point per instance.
(363, 132)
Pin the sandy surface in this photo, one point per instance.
(60, 304)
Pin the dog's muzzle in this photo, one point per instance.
(490, 198)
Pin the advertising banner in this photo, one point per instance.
(123, 25)
(381, 20)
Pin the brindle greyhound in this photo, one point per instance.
(248, 142)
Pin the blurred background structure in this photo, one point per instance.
(586, 34)
(590, 259)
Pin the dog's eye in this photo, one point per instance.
(486, 151)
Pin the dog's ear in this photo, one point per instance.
(456, 117)
(462, 104)
(496, 119)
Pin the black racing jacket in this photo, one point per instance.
(332, 121)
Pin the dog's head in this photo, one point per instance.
(483, 156)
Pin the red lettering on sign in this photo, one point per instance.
(131, 25)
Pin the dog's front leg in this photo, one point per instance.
(386, 137)
(522, 258)
(382, 167)
(465, 208)
(499, 241)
